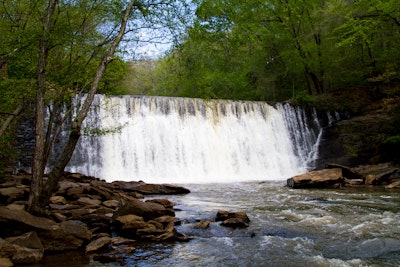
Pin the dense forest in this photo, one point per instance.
(251, 50)
(276, 50)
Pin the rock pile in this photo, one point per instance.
(335, 175)
(86, 213)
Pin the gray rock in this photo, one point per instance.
(89, 201)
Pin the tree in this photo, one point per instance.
(76, 41)
(18, 32)
(278, 49)
(369, 36)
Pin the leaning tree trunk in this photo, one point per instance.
(10, 118)
(38, 159)
(75, 133)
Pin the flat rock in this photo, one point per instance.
(317, 179)
(98, 244)
(89, 201)
(11, 194)
(111, 203)
(77, 229)
(26, 218)
(151, 189)
(129, 218)
(14, 206)
(58, 200)
(165, 202)
(146, 210)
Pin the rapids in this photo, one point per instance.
(234, 156)
(327, 228)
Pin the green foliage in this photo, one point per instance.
(113, 78)
(279, 49)
(53, 56)
(393, 140)
(94, 131)
(303, 99)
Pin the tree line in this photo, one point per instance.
(278, 49)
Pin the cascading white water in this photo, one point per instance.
(183, 140)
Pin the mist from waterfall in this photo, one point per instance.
(184, 140)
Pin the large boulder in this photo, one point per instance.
(317, 179)
(77, 229)
(89, 201)
(68, 235)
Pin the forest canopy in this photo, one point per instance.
(256, 50)
(277, 49)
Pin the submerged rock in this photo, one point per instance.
(233, 219)
(203, 224)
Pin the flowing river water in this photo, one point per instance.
(324, 227)
(249, 149)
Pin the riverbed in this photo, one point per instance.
(324, 227)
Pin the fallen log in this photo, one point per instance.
(327, 178)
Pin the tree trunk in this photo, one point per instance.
(38, 162)
(10, 118)
(75, 133)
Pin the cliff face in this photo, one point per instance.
(363, 139)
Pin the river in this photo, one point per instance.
(238, 144)
(324, 227)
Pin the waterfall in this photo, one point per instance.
(183, 140)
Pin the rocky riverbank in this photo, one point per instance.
(98, 218)
(105, 221)
(370, 136)
(335, 175)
